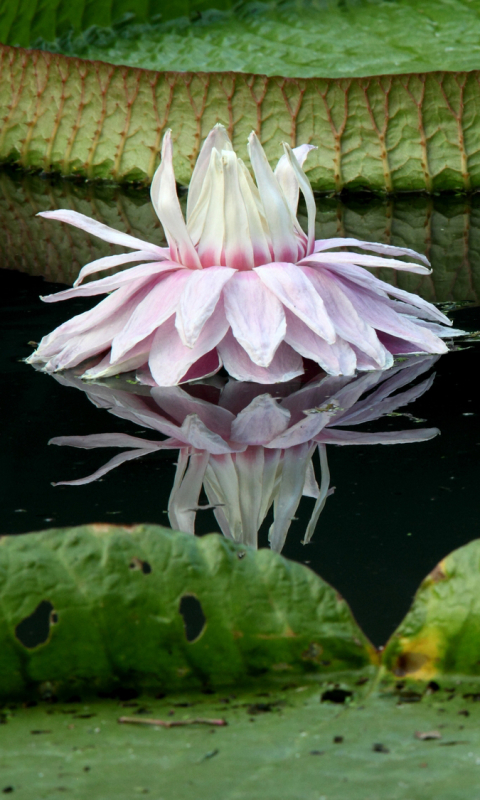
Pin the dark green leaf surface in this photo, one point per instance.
(99, 606)
(24, 21)
(441, 633)
(386, 134)
(291, 38)
(449, 233)
(277, 745)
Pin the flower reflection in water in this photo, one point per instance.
(251, 449)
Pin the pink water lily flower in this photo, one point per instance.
(240, 285)
(251, 449)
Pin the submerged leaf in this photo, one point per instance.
(296, 742)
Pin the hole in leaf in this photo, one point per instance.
(35, 629)
(193, 617)
(336, 695)
(137, 563)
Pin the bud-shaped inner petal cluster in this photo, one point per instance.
(233, 221)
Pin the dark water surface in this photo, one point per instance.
(396, 510)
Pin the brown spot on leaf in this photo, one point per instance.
(427, 735)
(408, 663)
(438, 574)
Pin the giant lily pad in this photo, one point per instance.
(100, 606)
(440, 636)
(277, 744)
(393, 133)
(284, 37)
(413, 129)
(303, 731)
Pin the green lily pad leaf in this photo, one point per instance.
(24, 21)
(389, 133)
(276, 744)
(291, 38)
(440, 635)
(99, 606)
(428, 225)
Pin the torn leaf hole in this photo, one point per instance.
(35, 629)
(193, 617)
(143, 566)
(336, 695)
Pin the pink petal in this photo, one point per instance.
(307, 428)
(347, 323)
(289, 493)
(397, 346)
(311, 346)
(350, 393)
(154, 309)
(107, 308)
(198, 300)
(163, 192)
(286, 176)
(179, 404)
(236, 395)
(325, 259)
(257, 224)
(260, 422)
(285, 365)
(95, 340)
(114, 281)
(95, 440)
(221, 487)
(211, 244)
(256, 316)
(365, 363)
(337, 436)
(103, 231)
(132, 359)
(239, 251)
(321, 245)
(310, 487)
(196, 433)
(110, 262)
(144, 376)
(207, 365)
(218, 139)
(297, 293)
(121, 458)
(380, 316)
(277, 212)
(440, 330)
(255, 476)
(379, 402)
(306, 190)
(361, 277)
(322, 496)
(183, 503)
(313, 395)
(170, 359)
